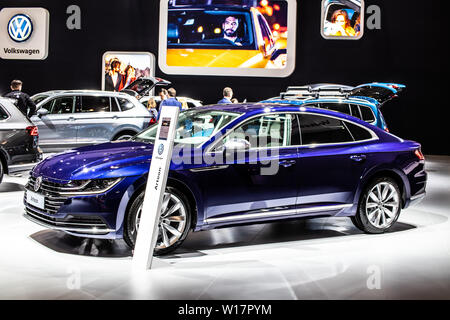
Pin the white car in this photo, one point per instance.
(188, 103)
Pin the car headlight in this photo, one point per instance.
(87, 187)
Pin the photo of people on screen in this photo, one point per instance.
(121, 70)
(342, 18)
(214, 33)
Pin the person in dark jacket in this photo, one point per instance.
(171, 101)
(113, 78)
(23, 100)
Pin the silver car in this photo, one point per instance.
(68, 119)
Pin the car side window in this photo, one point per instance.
(275, 130)
(339, 107)
(114, 105)
(355, 111)
(358, 132)
(61, 105)
(317, 129)
(367, 114)
(3, 114)
(125, 104)
(265, 32)
(95, 104)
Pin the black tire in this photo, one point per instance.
(129, 233)
(361, 219)
(1, 171)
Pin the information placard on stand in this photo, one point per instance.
(154, 192)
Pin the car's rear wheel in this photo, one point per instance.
(173, 226)
(379, 206)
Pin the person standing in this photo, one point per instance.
(171, 101)
(24, 102)
(227, 96)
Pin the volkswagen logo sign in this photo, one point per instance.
(161, 149)
(20, 28)
(37, 184)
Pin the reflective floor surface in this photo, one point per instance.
(325, 258)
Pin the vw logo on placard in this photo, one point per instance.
(161, 149)
(37, 184)
(20, 28)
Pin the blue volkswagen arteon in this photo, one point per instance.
(233, 164)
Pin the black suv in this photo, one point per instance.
(19, 149)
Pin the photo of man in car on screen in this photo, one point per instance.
(342, 19)
(229, 34)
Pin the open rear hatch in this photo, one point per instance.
(142, 86)
(381, 92)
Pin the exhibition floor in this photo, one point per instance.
(325, 258)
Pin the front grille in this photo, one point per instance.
(53, 199)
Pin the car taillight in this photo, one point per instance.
(419, 154)
(152, 121)
(33, 131)
(386, 129)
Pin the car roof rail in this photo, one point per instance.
(307, 92)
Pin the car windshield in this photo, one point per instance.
(194, 126)
(209, 29)
(38, 98)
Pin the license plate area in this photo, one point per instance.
(35, 199)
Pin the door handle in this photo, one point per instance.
(71, 119)
(287, 163)
(358, 157)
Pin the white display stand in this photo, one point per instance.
(154, 192)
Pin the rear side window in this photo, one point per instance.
(367, 114)
(3, 114)
(339, 107)
(95, 104)
(358, 133)
(125, 104)
(316, 129)
(355, 111)
(61, 105)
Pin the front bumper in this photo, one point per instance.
(69, 224)
(95, 216)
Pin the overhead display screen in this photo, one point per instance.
(236, 38)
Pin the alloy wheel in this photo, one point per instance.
(382, 205)
(172, 222)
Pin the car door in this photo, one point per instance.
(242, 185)
(57, 128)
(331, 161)
(95, 121)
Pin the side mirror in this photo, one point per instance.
(236, 145)
(42, 112)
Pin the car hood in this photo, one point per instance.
(108, 160)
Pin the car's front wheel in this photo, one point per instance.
(173, 226)
(379, 206)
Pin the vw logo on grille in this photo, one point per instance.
(20, 28)
(37, 183)
(161, 149)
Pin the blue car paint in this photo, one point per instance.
(325, 175)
